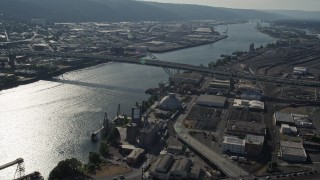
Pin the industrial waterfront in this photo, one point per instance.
(48, 121)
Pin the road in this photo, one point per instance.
(224, 164)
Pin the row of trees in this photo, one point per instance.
(221, 62)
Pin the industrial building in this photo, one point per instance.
(167, 167)
(245, 115)
(254, 145)
(3, 38)
(186, 78)
(300, 70)
(292, 151)
(216, 83)
(291, 119)
(251, 95)
(287, 129)
(204, 118)
(180, 169)
(242, 128)
(40, 47)
(148, 136)
(174, 149)
(135, 156)
(162, 166)
(233, 144)
(136, 114)
(282, 118)
(247, 88)
(170, 103)
(247, 104)
(211, 101)
(132, 131)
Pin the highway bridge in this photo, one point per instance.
(174, 65)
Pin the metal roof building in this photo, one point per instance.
(292, 151)
(243, 128)
(135, 155)
(164, 164)
(233, 144)
(180, 168)
(247, 104)
(211, 101)
(280, 117)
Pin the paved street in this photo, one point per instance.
(221, 162)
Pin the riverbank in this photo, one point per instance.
(50, 75)
(66, 69)
(164, 49)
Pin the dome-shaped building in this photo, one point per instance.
(170, 103)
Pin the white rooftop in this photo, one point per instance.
(233, 140)
(254, 104)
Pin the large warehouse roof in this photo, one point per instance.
(240, 103)
(211, 100)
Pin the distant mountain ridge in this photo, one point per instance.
(296, 14)
(122, 10)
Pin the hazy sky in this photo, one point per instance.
(310, 5)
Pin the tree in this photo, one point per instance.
(65, 168)
(113, 136)
(104, 148)
(94, 158)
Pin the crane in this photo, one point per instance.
(20, 167)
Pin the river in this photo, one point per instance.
(48, 121)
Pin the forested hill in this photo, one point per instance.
(121, 10)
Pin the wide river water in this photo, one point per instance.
(48, 121)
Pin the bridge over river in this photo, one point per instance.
(178, 66)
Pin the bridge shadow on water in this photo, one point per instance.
(100, 86)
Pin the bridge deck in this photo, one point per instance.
(173, 65)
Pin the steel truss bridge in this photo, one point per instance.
(170, 66)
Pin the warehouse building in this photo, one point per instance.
(167, 167)
(164, 164)
(247, 104)
(132, 132)
(251, 95)
(286, 129)
(300, 70)
(291, 119)
(217, 83)
(186, 78)
(254, 145)
(292, 151)
(160, 169)
(180, 169)
(148, 136)
(135, 156)
(242, 128)
(211, 101)
(233, 144)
